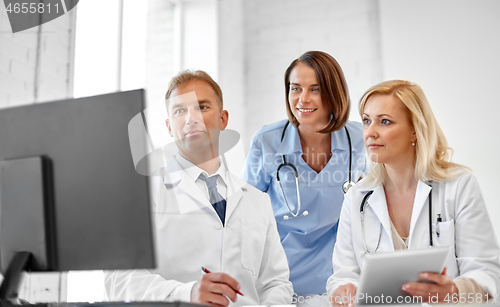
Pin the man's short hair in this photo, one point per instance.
(187, 76)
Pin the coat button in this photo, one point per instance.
(217, 226)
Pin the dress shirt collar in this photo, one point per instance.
(194, 171)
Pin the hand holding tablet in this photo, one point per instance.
(383, 275)
(433, 287)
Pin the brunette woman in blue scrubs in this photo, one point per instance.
(315, 139)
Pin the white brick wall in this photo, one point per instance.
(231, 72)
(231, 60)
(56, 59)
(159, 49)
(25, 75)
(278, 31)
(17, 68)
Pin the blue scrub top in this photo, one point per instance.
(308, 241)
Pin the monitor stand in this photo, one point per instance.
(9, 290)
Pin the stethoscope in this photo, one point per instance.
(362, 213)
(345, 187)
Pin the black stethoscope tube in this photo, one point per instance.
(430, 219)
(350, 156)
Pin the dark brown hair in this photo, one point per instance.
(187, 76)
(332, 86)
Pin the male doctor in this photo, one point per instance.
(206, 217)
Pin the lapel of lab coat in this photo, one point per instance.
(189, 196)
(421, 196)
(378, 203)
(235, 189)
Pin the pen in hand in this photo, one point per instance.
(207, 271)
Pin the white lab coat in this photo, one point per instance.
(190, 235)
(465, 225)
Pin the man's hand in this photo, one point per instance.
(441, 286)
(344, 295)
(214, 289)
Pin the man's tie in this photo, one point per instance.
(217, 201)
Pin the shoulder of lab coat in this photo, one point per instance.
(476, 246)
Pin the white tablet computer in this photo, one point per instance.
(384, 273)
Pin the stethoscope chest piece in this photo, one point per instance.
(347, 185)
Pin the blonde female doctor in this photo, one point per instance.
(411, 163)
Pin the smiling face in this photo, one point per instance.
(387, 130)
(305, 98)
(195, 121)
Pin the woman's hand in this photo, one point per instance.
(438, 288)
(344, 295)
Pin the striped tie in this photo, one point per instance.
(217, 201)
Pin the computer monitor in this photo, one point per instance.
(70, 194)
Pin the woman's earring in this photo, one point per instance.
(413, 143)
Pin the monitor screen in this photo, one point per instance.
(69, 179)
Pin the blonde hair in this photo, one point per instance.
(433, 156)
